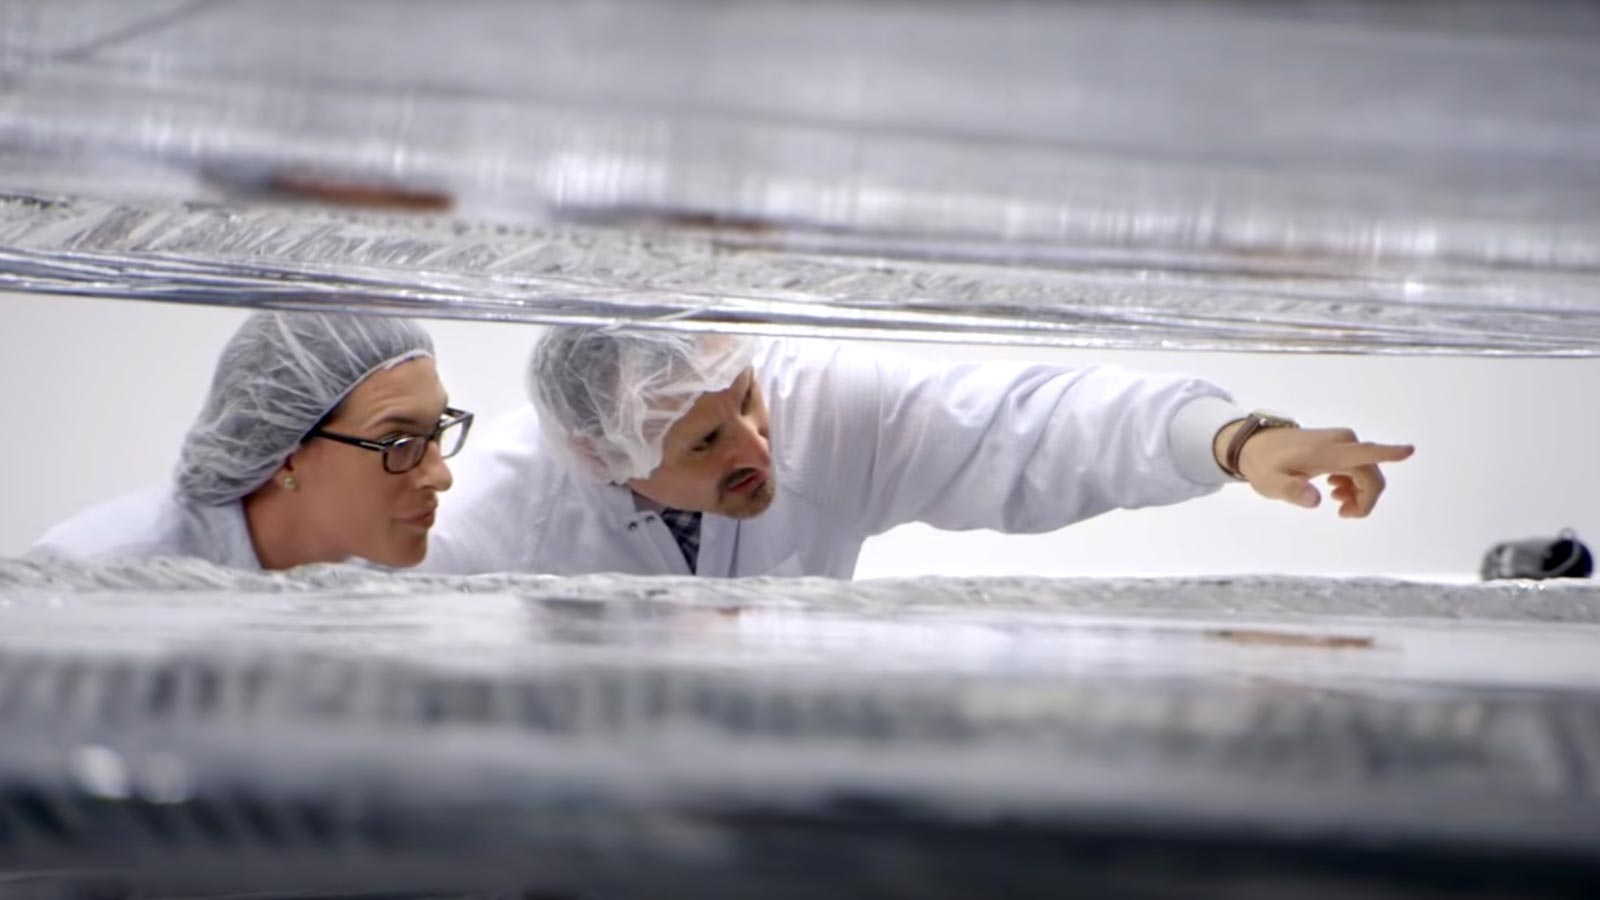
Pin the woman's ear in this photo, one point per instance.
(284, 477)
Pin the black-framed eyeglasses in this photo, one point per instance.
(406, 452)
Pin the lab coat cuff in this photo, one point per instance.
(1192, 433)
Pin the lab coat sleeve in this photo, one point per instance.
(1016, 448)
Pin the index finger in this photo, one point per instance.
(1348, 457)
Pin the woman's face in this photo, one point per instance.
(351, 505)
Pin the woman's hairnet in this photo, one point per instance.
(279, 375)
(607, 397)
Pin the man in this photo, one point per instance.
(659, 453)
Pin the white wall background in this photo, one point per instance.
(100, 393)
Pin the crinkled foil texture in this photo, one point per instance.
(529, 721)
(1299, 177)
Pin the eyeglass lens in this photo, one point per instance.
(407, 453)
(452, 436)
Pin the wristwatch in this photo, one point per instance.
(1258, 420)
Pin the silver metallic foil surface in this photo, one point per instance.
(176, 729)
(1313, 176)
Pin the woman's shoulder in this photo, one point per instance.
(141, 524)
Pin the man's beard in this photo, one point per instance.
(746, 505)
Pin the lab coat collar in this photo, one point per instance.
(620, 507)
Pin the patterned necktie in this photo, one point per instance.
(685, 528)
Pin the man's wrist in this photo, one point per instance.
(1219, 445)
(1232, 438)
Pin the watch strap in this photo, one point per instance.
(1256, 421)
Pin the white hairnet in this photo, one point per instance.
(606, 397)
(279, 375)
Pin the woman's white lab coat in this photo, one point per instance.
(154, 523)
(861, 441)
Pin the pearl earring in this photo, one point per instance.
(289, 483)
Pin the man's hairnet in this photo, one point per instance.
(279, 375)
(607, 397)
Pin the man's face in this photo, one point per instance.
(716, 458)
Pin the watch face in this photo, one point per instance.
(1270, 419)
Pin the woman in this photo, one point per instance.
(323, 438)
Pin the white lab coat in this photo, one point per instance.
(154, 523)
(861, 441)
